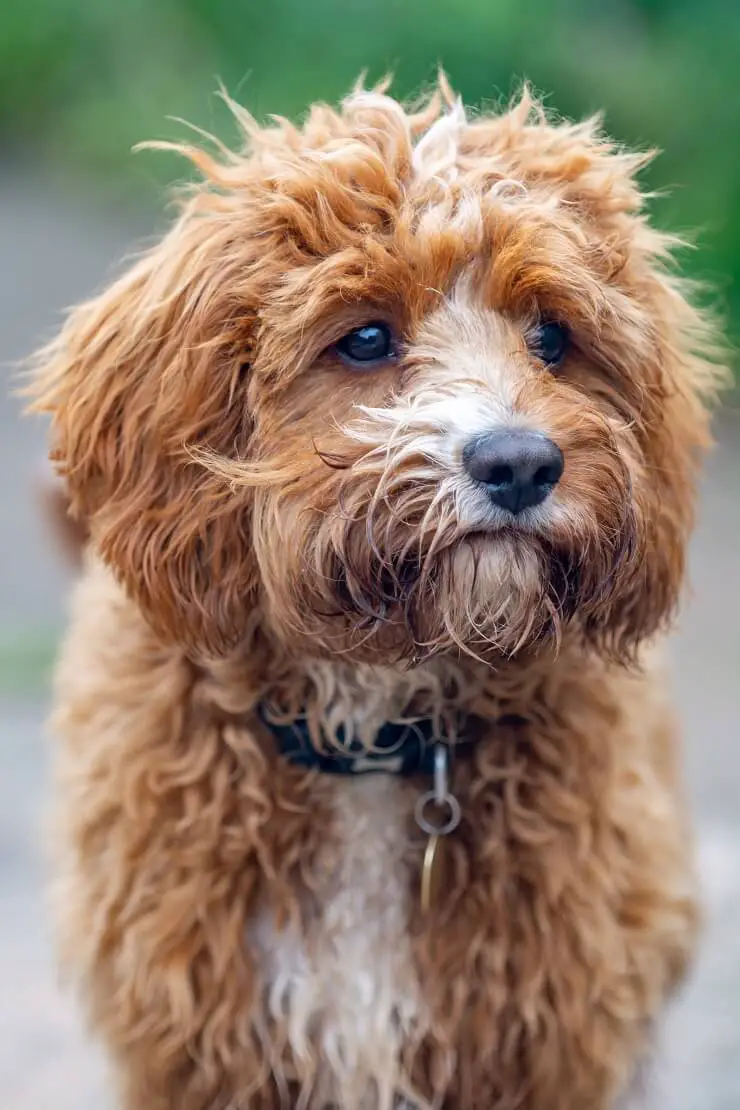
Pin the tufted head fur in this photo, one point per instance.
(229, 462)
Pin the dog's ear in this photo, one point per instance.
(140, 376)
(670, 425)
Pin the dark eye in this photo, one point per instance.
(551, 342)
(369, 344)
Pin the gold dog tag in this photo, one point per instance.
(433, 872)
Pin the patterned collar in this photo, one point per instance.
(399, 749)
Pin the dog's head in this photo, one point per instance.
(396, 382)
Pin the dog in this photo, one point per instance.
(368, 780)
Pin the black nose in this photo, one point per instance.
(518, 468)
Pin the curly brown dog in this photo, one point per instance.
(367, 780)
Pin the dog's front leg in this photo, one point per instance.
(172, 827)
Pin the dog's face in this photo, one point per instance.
(393, 384)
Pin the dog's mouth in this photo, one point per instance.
(499, 539)
(484, 538)
(387, 584)
(483, 591)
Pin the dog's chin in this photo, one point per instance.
(487, 594)
(493, 591)
(487, 566)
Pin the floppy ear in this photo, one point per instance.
(679, 374)
(153, 367)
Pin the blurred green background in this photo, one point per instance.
(82, 81)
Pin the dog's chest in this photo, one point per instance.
(346, 997)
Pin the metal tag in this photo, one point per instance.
(433, 873)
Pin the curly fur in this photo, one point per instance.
(266, 523)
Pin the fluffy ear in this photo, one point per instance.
(671, 427)
(138, 377)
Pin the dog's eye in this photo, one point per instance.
(367, 346)
(550, 342)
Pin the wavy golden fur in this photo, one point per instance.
(268, 523)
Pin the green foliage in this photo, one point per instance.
(83, 80)
(26, 660)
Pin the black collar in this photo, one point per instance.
(399, 749)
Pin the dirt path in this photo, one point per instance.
(54, 254)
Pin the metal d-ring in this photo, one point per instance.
(442, 828)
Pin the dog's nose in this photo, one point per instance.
(518, 468)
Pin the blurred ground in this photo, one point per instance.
(54, 253)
